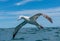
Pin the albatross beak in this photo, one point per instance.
(18, 19)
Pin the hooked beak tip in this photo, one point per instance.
(18, 19)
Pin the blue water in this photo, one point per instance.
(31, 34)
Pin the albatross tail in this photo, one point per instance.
(39, 26)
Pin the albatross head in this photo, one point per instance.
(20, 17)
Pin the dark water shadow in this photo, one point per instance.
(2, 29)
(38, 40)
(19, 39)
(56, 36)
(55, 27)
(57, 32)
(45, 39)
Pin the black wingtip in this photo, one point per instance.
(13, 36)
(51, 21)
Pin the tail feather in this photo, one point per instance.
(39, 26)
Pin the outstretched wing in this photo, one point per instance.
(18, 27)
(39, 14)
(35, 16)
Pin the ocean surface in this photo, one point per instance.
(31, 34)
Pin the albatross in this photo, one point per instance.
(30, 20)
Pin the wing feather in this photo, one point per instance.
(18, 27)
(39, 14)
(48, 18)
(35, 16)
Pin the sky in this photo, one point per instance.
(11, 9)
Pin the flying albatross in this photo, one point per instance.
(30, 20)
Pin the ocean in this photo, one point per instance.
(31, 34)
